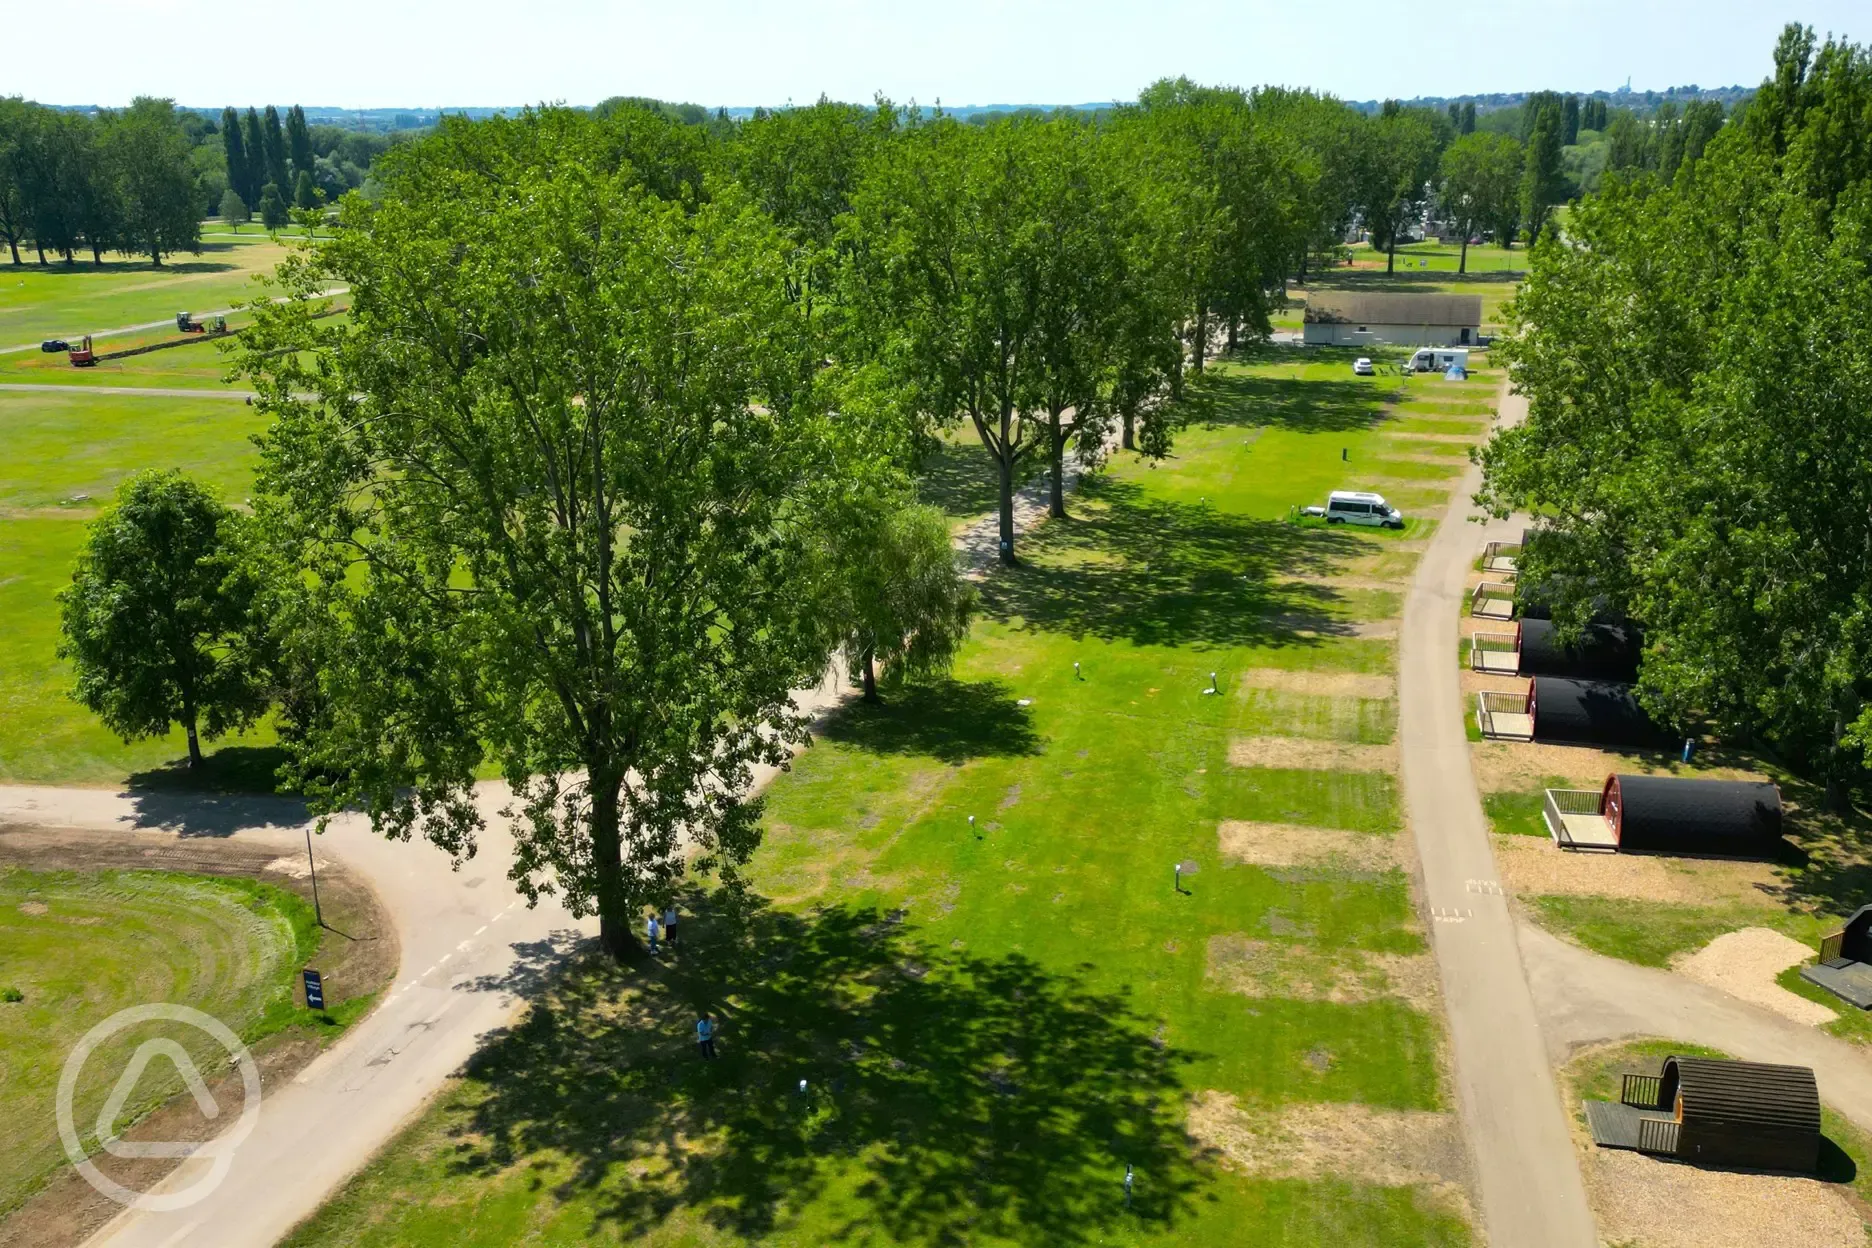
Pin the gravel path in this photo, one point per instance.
(1744, 964)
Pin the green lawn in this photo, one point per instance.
(80, 946)
(1435, 257)
(1650, 933)
(992, 1019)
(62, 302)
(56, 446)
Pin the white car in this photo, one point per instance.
(1362, 366)
(1359, 507)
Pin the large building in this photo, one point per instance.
(1341, 318)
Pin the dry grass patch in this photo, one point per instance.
(1328, 684)
(1356, 1142)
(1278, 968)
(1288, 845)
(1511, 766)
(1311, 755)
(1473, 682)
(1535, 867)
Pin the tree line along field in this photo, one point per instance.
(994, 1019)
(59, 302)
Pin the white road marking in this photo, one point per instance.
(1449, 914)
(179, 1236)
(1488, 888)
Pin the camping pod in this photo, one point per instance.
(1591, 712)
(1716, 1112)
(1601, 652)
(1743, 1113)
(1675, 815)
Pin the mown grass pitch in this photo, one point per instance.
(82, 945)
(993, 1019)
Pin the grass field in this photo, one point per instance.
(994, 1018)
(80, 946)
(61, 458)
(62, 302)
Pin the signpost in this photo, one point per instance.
(314, 990)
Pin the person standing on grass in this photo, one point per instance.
(669, 925)
(650, 931)
(705, 1037)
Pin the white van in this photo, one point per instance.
(1439, 359)
(1359, 507)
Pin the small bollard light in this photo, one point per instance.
(1345, 453)
(1689, 748)
(802, 1087)
(1076, 675)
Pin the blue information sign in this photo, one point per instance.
(315, 991)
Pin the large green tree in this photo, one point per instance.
(157, 618)
(1698, 370)
(1402, 147)
(905, 604)
(1481, 187)
(298, 142)
(148, 157)
(560, 495)
(1543, 180)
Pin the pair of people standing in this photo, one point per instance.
(666, 930)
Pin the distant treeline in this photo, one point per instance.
(139, 180)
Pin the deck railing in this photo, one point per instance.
(1500, 556)
(1833, 945)
(1658, 1135)
(1499, 597)
(1489, 643)
(1563, 802)
(1641, 1091)
(1490, 703)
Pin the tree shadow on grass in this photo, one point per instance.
(1314, 406)
(952, 720)
(1154, 572)
(949, 1098)
(961, 480)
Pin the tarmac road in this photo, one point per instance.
(1531, 1192)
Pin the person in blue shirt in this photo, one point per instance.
(650, 931)
(705, 1037)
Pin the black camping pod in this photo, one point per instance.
(1692, 816)
(1594, 712)
(1601, 651)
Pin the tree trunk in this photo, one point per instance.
(1390, 264)
(1056, 451)
(1462, 266)
(155, 258)
(1130, 434)
(614, 919)
(97, 255)
(14, 244)
(1006, 517)
(1202, 335)
(870, 675)
(1234, 332)
(1303, 267)
(1838, 793)
(194, 743)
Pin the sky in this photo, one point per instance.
(430, 53)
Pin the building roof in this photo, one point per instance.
(1393, 308)
(1597, 711)
(1745, 1094)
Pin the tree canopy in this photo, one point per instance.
(560, 500)
(1698, 366)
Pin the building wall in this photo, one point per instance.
(1338, 334)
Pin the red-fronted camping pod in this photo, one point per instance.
(1671, 814)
